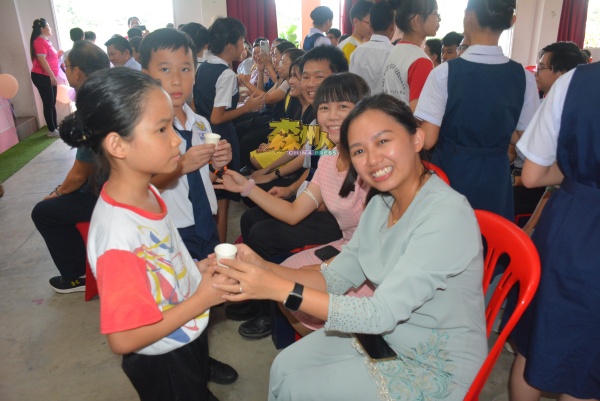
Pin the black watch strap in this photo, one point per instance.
(278, 173)
(294, 299)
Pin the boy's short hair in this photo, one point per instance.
(76, 34)
(135, 43)
(452, 39)
(435, 47)
(382, 16)
(134, 32)
(119, 43)
(564, 56)
(198, 33)
(337, 59)
(165, 38)
(335, 32)
(90, 35)
(360, 9)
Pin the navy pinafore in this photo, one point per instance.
(558, 335)
(482, 111)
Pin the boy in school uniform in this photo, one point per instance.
(361, 28)
(168, 56)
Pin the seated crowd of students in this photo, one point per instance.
(342, 216)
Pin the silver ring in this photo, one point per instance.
(241, 291)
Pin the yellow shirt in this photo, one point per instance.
(348, 45)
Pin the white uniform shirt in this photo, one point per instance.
(177, 196)
(540, 140)
(368, 60)
(226, 85)
(432, 103)
(134, 65)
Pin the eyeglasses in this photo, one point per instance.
(540, 68)
(437, 15)
(70, 66)
(462, 48)
(366, 22)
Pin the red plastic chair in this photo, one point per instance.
(91, 287)
(432, 167)
(504, 237)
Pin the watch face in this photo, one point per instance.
(293, 302)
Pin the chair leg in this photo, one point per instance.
(91, 287)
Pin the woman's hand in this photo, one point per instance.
(53, 80)
(232, 181)
(253, 282)
(60, 53)
(281, 192)
(222, 155)
(246, 254)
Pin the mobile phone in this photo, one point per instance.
(326, 253)
(375, 347)
(264, 46)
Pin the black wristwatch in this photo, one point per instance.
(294, 300)
(277, 173)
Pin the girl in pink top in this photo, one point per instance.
(45, 70)
(343, 197)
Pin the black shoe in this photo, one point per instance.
(63, 286)
(211, 396)
(259, 327)
(246, 170)
(220, 372)
(242, 310)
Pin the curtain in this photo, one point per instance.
(572, 21)
(345, 20)
(258, 16)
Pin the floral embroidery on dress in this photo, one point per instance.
(423, 374)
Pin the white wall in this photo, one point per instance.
(202, 11)
(16, 20)
(536, 26)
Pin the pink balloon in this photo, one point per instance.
(72, 94)
(62, 94)
(9, 86)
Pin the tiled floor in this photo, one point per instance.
(50, 345)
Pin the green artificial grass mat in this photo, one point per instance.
(23, 152)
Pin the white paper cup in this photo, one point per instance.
(225, 251)
(212, 138)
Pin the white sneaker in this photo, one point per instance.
(53, 134)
